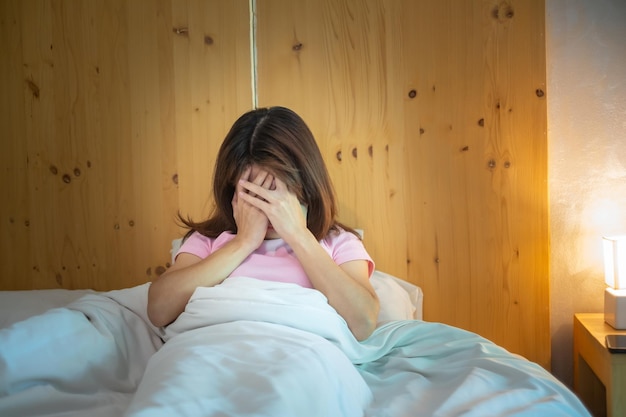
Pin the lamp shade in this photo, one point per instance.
(615, 261)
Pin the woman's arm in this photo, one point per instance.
(346, 286)
(169, 294)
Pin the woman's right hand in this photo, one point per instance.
(251, 222)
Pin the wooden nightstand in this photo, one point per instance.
(599, 376)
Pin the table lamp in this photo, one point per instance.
(615, 278)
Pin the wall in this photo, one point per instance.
(431, 116)
(586, 62)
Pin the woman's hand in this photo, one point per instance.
(281, 207)
(252, 223)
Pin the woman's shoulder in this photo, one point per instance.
(338, 236)
(198, 236)
(345, 246)
(200, 245)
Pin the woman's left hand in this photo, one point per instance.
(281, 206)
(346, 286)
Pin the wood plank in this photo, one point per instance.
(15, 105)
(328, 61)
(102, 153)
(212, 56)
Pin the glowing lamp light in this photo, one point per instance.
(615, 278)
(615, 261)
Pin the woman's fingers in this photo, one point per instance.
(245, 176)
(267, 184)
(254, 186)
(260, 179)
(254, 190)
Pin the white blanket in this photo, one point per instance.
(256, 348)
(89, 356)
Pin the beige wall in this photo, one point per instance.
(586, 74)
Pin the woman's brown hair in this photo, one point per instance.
(278, 140)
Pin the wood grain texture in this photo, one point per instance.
(432, 118)
(113, 114)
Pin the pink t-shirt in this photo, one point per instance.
(274, 260)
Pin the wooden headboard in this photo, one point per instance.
(431, 116)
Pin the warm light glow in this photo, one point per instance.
(615, 261)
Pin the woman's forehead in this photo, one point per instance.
(255, 169)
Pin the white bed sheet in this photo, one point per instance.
(274, 349)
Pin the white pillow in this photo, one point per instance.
(399, 299)
(176, 244)
(19, 305)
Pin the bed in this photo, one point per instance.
(265, 349)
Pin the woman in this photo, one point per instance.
(274, 219)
